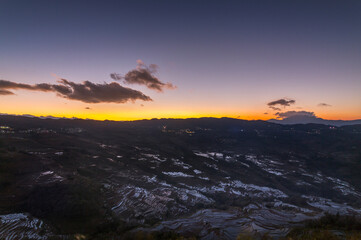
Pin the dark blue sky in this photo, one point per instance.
(309, 50)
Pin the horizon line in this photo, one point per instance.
(144, 119)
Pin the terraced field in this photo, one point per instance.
(21, 226)
(214, 184)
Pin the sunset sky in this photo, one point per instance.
(179, 59)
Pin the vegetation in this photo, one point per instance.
(73, 207)
(328, 227)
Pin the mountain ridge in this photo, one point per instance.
(293, 120)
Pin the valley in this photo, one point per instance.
(209, 178)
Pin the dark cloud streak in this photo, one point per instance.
(324, 105)
(284, 102)
(86, 92)
(4, 84)
(5, 92)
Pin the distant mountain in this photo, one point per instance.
(299, 119)
(32, 116)
(206, 122)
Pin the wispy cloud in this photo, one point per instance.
(5, 92)
(324, 105)
(4, 84)
(143, 75)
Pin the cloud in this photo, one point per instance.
(4, 84)
(283, 102)
(324, 105)
(95, 93)
(89, 92)
(143, 75)
(116, 76)
(88, 108)
(5, 92)
(294, 114)
(86, 91)
(276, 108)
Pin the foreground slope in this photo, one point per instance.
(212, 178)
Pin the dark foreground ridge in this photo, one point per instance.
(201, 178)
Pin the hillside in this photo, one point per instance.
(210, 178)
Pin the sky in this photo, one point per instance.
(128, 60)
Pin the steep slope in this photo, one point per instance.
(207, 177)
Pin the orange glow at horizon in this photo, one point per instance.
(142, 115)
(167, 105)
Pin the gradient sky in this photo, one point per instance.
(227, 58)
